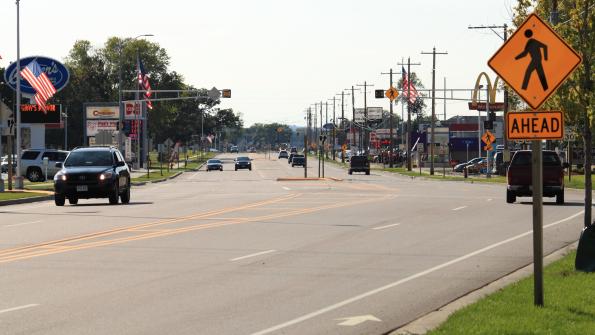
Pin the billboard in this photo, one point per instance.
(33, 114)
(56, 72)
(102, 112)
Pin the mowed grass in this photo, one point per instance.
(438, 176)
(569, 299)
(19, 195)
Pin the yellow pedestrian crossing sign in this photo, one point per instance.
(392, 93)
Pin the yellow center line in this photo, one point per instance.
(146, 225)
(154, 234)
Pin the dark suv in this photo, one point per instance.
(520, 180)
(93, 172)
(359, 164)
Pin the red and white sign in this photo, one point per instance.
(132, 111)
(94, 126)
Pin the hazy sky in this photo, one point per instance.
(277, 57)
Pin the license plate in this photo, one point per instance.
(82, 188)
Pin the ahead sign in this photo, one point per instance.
(535, 125)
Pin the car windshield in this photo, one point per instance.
(243, 159)
(89, 158)
(213, 161)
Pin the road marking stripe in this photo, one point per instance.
(404, 280)
(252, 255)
(459, 208)
(286, 188)
(17, 308)
(387, 226)
(490, 199)
(23, 223)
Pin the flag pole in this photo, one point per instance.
(19, 178)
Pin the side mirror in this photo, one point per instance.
(120, 163)
(59, 165)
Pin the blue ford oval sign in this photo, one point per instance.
(56, 71)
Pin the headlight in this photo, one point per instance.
(105, 175)
(60, 176)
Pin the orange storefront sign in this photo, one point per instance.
(535, 125)
(534, 61)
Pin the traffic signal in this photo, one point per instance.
(379, 94)
(226, 93)
(488, 125)
(492, 116)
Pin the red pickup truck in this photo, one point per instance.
(519, 176)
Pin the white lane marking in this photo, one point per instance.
(405, 280)
(387, 226)
(252, 255)
(356, 320)
(23, 223)
(459, 208)
(17, 308)
(286, 188)
(490, 199)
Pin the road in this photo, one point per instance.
(238, 252)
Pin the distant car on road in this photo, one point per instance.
(359, 164)
(293, 150)
(283, 154)
(519, 176)
(214, 164)
(243, 163)
(234, 149)
(298, 160)
(92, 172)
(252, 150)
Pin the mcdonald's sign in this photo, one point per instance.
(482, 106)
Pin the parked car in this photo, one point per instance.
(461, 167)
(298, 160)
(4, 164)
(92, 172)
(479, 166)
(243, 163)
(214, 164)
(359, 164)
(519, 176)
(32, 165)
(283, 154)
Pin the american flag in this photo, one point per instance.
(40, 82)
(143, 81)
(408, 87)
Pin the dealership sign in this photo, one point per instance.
(33, 114)
(56, 72)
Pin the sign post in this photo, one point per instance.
(534, 62)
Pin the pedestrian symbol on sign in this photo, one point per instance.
(533, 49)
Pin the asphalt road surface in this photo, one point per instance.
(239, 252)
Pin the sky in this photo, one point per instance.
(278, 57)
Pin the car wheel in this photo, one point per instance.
(250, 169)
(560, 198)
(125, 197)
(73, 200)
(59, 200)
(113, 198)
(350, 172)
(221, 169)
(236, 169)
(292, 165)
(34, 174)
(367, 173)
(510, 197)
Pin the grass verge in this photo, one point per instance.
(19, 195)
(438, 176)
(568, 309)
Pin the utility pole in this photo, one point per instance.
(343, 121)
(365, 126)
(334, 125)
(353, 115)
(391, 126)
(306, 135)
(433, 122)
(504, 37)
(19, 179)
(408, 78)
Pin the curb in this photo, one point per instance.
(142, 183)
(433, 319)
(309, 179)
(26, 200)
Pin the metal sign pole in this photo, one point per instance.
(537, 222)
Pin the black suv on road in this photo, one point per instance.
(359, 164)
(93, 172)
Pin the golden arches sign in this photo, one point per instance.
(492, 90)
